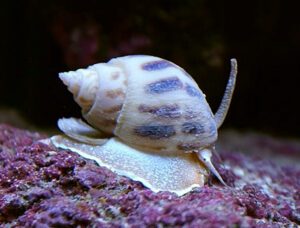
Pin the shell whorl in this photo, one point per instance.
(164, 109)
(100, 91)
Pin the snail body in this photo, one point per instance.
(150, 121)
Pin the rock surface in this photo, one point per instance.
(41, 186)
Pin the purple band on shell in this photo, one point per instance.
(193, 91)
(164, 85)
(156, 65)
(164, 111)
(192, 128)
(155, 131)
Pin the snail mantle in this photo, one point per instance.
(147, 119)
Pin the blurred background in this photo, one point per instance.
(41, 38)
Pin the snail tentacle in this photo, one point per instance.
(205, 156)
(226, 100)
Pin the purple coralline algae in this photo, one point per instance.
(42, 186)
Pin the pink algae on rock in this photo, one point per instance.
(42, 186)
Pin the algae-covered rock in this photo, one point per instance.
(42, 186)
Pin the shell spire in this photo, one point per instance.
(81, 84)
(100, 91)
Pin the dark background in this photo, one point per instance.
(41, 38)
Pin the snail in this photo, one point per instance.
(147, 119)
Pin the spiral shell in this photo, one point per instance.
(143, 101)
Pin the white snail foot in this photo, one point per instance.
(173, 173)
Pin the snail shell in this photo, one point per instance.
(145, 113)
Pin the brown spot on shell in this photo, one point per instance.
(85, 104)
(113, 109)
(164, 111)
(115, 93)
(74, 89)
(115, 76)
(84, 101)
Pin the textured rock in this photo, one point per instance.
(42, 186)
